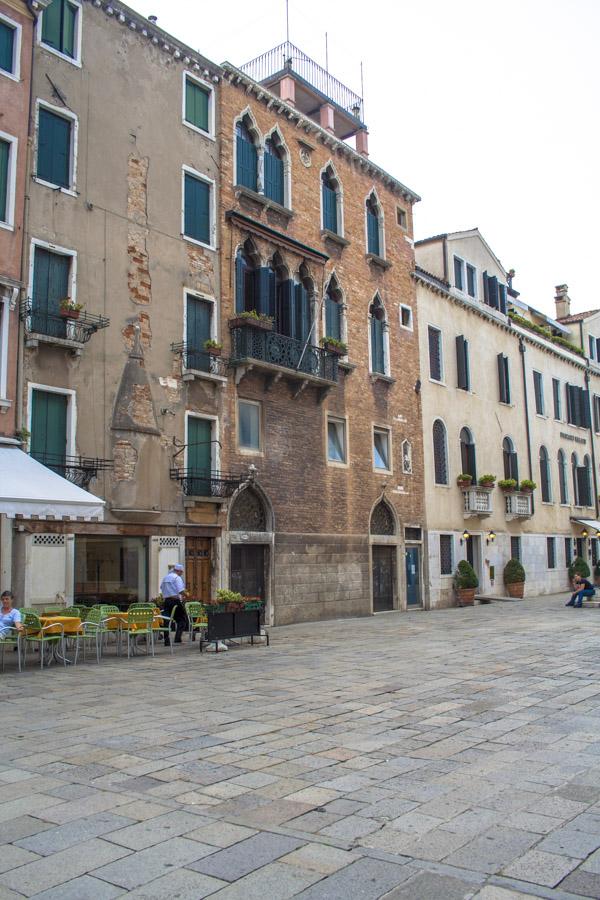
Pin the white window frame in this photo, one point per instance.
(215, 459)
(343, 421)
(442, 379)
(339, 196)
(459, 259)
(468, 266)
(4, 329)
(15, 75)
(71, 410)
(60, 251)
(410, 326)
(242, 448)
(383, 429)
(206, 86)
(76, 60)
(213, 314)
(74, 119)
(188, 170)
(11, 184)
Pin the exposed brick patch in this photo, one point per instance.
(143, 320)
(125, 458)
(140, 408)
(138, 276)
(201, 269)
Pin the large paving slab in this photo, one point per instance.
(448, 754)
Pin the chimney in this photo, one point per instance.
(562, 301)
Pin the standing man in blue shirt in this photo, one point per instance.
(172, 587)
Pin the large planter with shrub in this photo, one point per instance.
(578, 567)
(514, 579)
(465, 583)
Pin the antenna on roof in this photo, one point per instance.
(287, 20)
(362, 91)
(326, 54)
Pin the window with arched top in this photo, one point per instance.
(377, 336)
(586, 482)
(440, 452)
(331, 201)
(467, 454)
(246, 156)
(545, 481)
(574, 472)
(248, 512)
(373, 214)
(333, 310)
(562, 477)
(247, 267)
(509, 456)
(382, 520)
(274, 170)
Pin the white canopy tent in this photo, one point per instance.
(27, 488)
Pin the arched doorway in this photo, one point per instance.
(383, 557)
(250, 536)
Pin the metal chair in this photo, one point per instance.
(168, 628)
(11, 639)
(197, 618)
(94, 628)
(139, 621)
(36, 633)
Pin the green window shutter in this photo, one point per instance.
(462, 362)
(333, 316)
(69, 24)
(247, 163)
(199, 455)
(372, 233)
(301, 313)
(51, 24)
(329, 209)
(196, 105)
(4, 158)
(274, 178)
(54, 148)
(285, 312)
(51, 273)
(198, 316)
(7, 47)
(377, 362)
(49, 427)
(239, 283)
(265, 291)
(197, 213)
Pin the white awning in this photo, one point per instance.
(592, 525)
(27, 488)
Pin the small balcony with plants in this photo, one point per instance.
(204, 363)
(477, 498)
(67, 324)
(518, 497)
(212, 486)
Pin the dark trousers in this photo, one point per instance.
(180, 618)
(578, 596)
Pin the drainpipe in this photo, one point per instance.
(522, 351)
(445, 255)
(587, 387)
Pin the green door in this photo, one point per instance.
(199, 456)
(197, 331)
(49, 429)
(50, 285)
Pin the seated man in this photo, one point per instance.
(583, 588)
(9, 617)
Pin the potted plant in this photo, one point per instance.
(231, 600)
(487, 481)
(252, 318)
(464, 480)
(578, 567)
(508, 485)
(527, 486)
(213, 347)
(334, 346)
(514, 578)
(23, 435)
(465, 583)
(68, 309)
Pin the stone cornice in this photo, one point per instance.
(273, 102)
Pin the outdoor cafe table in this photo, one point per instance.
(70, 624)
(116, 620)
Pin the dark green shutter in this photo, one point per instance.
(372, 233)
(196, 105)
(239, 283)
(493, 292)
(462, 362)
(197, 212)
(51, 281)
(503, 378)
(502, 298)
(333, 327)
(274, 178)
(247, 163)
(51, 24)
(4, 157)
(377, 361)
(486, 293)
(69, 21)
(198, 315)
(301, 313)
(265, 291)
(285, 313)
(54, 148)
(199, 455)
(7, 47)
(49, 428)
(329, 209)
(458, 273)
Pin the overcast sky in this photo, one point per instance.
(487, 109)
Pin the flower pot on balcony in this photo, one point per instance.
(516, 590)
(214, 351)
(264, 324)
(464, 483)
(70, 313)
(336, 349)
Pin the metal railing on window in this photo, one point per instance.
(200, 360)
(80, 470)
(279, 350)
(65, 328)
(200, 483)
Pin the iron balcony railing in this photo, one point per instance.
(200, 360)
(200, 483)
(80, 470)
(279, 350)
(518, 505)
(53, 325)
(477, 501)
(289, 58)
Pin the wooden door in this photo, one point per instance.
(383, 578)
(198, 561)
(248, 569)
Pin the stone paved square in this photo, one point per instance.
(444, 754)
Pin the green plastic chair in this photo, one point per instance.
(167, 627)
(11, 640)
(35, 633)
(72, 611)
(92, 629)
(196, 616)
(139, 621)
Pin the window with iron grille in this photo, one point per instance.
(568, 552)
(435, 353)
(515, 548)
(440, 458)
(445, 554)
(551, 552)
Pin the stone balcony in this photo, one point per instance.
(477, 501)
(518, 505)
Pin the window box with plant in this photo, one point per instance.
(214, 348)
(68, 309)
(253, 319)
(466, 583)
(527, 486)
(464, 480)
(514, 578)
(487, 481)
(333, 345)
(508, 485)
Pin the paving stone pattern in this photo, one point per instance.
(446, 755)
